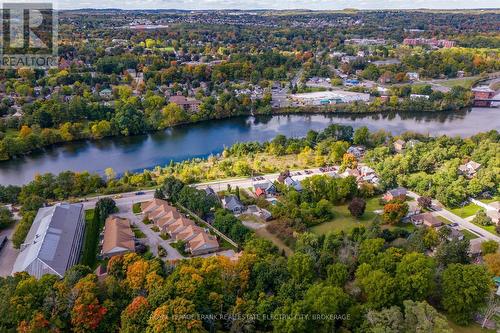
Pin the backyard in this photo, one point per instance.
(466, 211)
(345, 221)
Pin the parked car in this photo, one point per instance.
(139, 193)
(118, 196)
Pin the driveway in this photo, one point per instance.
(8, 254)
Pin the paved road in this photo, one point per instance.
(8, 254)
(244, 183)
(441, 211)
(125, 199)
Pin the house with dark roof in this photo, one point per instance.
(289, 181)
(232, 203)
(54, 241)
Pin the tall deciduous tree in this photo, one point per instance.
(464, 291)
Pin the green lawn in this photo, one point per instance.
(136, 208)
(465, 82)
(345, 221)
(472, 328)
(444, 220)
(490, 228)
(488, 201)
(468, 235)
(466, 211)
(138, 233)
(91, 240)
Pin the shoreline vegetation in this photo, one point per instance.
(32, 139)
(436, 174)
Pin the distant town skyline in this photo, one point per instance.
(283, 5)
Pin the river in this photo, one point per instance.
(210, 137)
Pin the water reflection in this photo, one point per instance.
(201, 139)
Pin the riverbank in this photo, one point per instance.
(31, 140)
(135, 153)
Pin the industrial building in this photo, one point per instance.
(54, 241)
(329, 97)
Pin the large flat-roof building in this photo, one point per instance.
(330, 97)
(54, 241)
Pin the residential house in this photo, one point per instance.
(202, 243)
(413, 76)
(351, 172)
(178, 226)
(191, 105)
(169, 220)
(469, 169)
(357, 151)
(210, 192)
(453, 233)
(283, 175)
(106, 94)
(413, 208)
(54, 241)
(118, 237)
(232, 203)
(368, 175)
(399, 192)
(426, 219)
(475, 247)
(399, 145)
(412, 143)
(289, 181)
(189, 233)
(260, 192)
(160, 212)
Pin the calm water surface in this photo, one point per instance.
(202, 139)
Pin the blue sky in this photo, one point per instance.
(277, 4)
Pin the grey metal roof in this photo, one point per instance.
(49, 243)
(232, 202)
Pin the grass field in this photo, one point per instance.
(444, 220)
(136, 208)
(91, 240)
(468, 235)
(490, 228)
(466, 211)
(345, 221)
(472, 328)
(138, 233)
(488, 201)
(465, 82)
